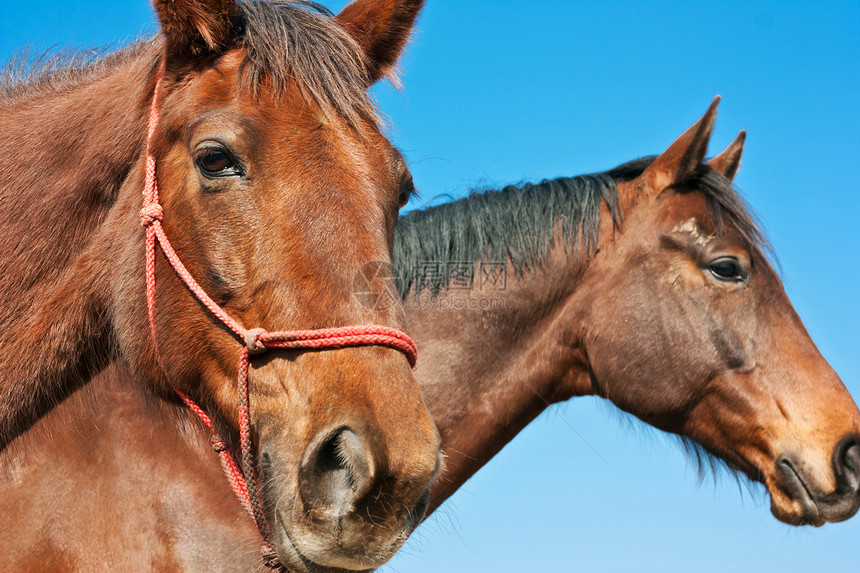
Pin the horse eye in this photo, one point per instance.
(407, 191)
(217, 163)
(727, 270)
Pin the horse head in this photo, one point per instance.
(277, 187)
(690, 329)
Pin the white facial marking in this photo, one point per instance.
(691, 228)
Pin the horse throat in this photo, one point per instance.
(493, 359)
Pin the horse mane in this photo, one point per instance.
(519, 223)
(28, 76)
(295, 41)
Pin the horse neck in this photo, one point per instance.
(485, 374)
(67, 150)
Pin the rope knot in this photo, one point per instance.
(218, 444)
(253, 342)
(150, 214)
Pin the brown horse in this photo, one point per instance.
(671, 311)
(277, 185)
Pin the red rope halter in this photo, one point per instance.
(255, 340)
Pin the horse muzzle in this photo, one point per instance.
(810, 504)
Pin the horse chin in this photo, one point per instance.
(320, 556)
(791, 501)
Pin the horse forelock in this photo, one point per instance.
(300, 42)
(728, 205)
(284, 42)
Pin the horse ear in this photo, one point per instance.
(382, 28)
(678, 162)
(194, 27)
(729, 160)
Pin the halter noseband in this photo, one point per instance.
(255, 341)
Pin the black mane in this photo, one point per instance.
(518, 224)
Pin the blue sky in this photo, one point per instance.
(499, 91)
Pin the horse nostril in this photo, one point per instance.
(847, 464)
(337, 471)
